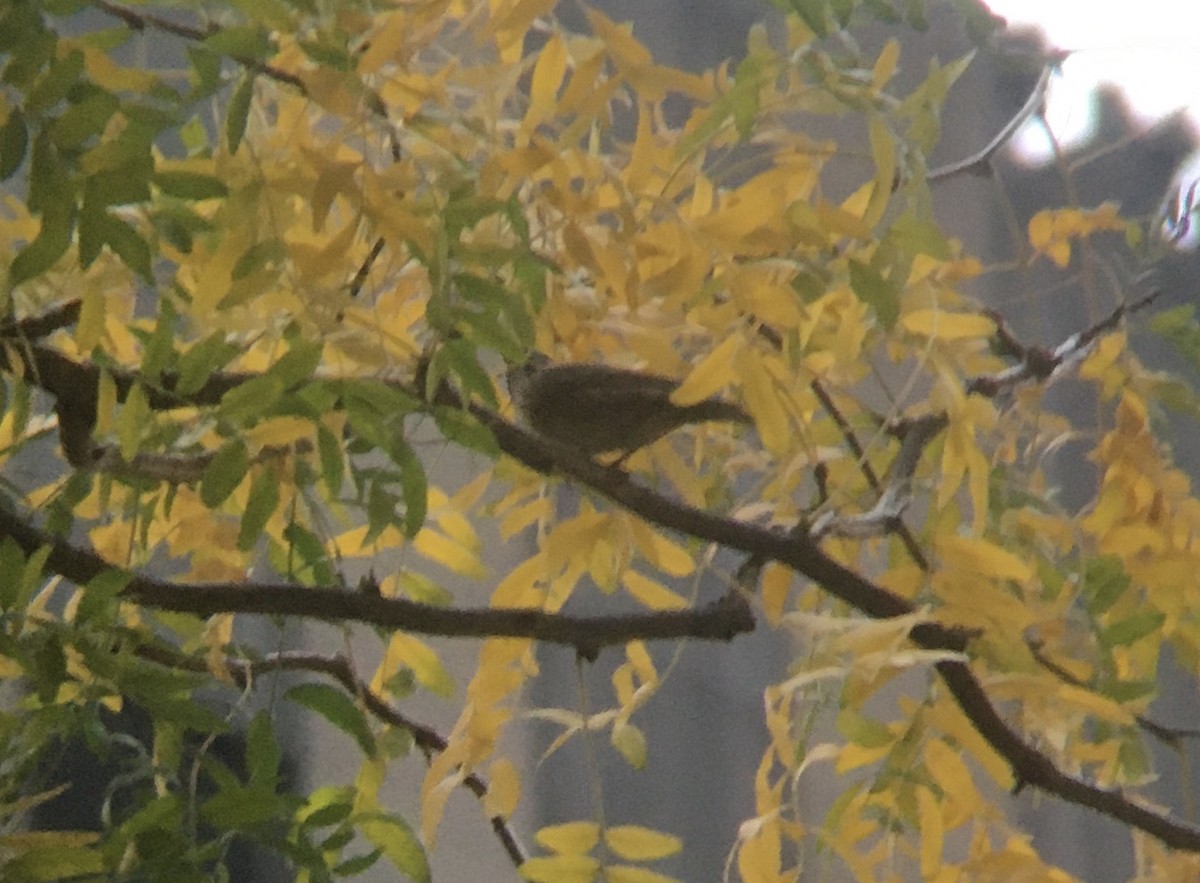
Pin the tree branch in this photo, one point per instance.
(142, 21)
(721, 620)
(339, 668)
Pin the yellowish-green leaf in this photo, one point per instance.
(561, 869)
(504, 789)
(945, 325)
(439, 548)
(570, 838)
(405, 650)
(711, 374)
(638, 844)
(135, 415)
(667, 556)
(630, 741)
(653, 594)
(982, 557)
(634, 874)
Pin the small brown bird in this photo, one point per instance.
(599, 409)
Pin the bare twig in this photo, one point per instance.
(980, 163)
(145, 21)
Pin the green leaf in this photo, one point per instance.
(206, 72)
(190, 185)
(414, 485)
(311, 552)
(239, 112)
(99, 599)
(1132, 628)
(262, 255)
(261, 505)
(337, 708)
(65, 860)
(84, 120)
(1104, 582)
(862, 730)
(241, 42)
(459, 427)
(1178, 326)
(251, 400)
(875, 291)
(263, 754)
(224, 473)
(51, 243)
(202, 360)
(14, 142)
(127, 244)
(12, 561)
(352, 868)
(48, 668)
(333, 465)
(297, 365)
(53, 87)
(396, 840)
(458, 359)
(241, 808)
(813, 12)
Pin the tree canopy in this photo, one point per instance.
(261, 287)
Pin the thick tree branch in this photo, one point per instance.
(721, 620)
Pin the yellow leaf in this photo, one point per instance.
(575, 538)
(885, 65)
(947, 717)
(1094, 703)
(218, 632)
(883, 153)
(561, 869)
(631, 743)
(548, 75)
(504, 789)
(652, 594)
(405, 650)
(634, 874)
(90, 325)
(667, 556)
(764, 403)
(932, 833)
(945, 765)
(639, 658)
(776, 583)
(945, 325)
(570, 838)
(522, 517)
(279, 431)
(106, 404)
(385, 42)
(711, 374)
(979, 556)
(441, 549)
(638, 844)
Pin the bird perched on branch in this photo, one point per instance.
(600, 409)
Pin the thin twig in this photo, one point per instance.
(980, 163)
(338, 667)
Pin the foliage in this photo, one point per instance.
(256, 300)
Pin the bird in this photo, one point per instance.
(601, 409)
